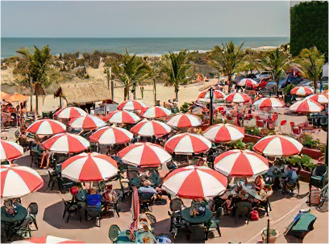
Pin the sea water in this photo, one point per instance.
(140, 46)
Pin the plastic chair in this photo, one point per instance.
(33, 211)
(319, 176)
(70, 207)
(243, 209)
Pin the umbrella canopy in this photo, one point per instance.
(47, 240)
(306, 106)
(268, 103)
(184, 121)
(247, 82)
(217, 94)
(18, 98)
(320, 98)
(241, 163)
(66, 143)
(5, 96)
(69, 113)
(151, 128)
(237, 97)
(86, 122)
(46, 127)
(17, 181)
(224, 133)
(89, 167)
(156, 112)
(111, 135)
(278, 145)
(10, 150)
(144, 155)
(195, 182)
(131, 105)
(122, 117)
(187, 144)
(302, 91)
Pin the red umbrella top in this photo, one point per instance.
(195, 182)
(144, 155)
(48, 240)
(237, 97)
(46, 127)
(131, 105)
(10, 150)
(66, 143)
(69, 113)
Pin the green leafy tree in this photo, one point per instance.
(226, 59)
(309, 26)
(276, 62)
(130, 70)
(175, 69)
(34, 70)
(311, 62)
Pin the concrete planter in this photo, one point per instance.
(313, 153)
(251, 138)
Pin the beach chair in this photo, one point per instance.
(71, 208)
(33, 211)
(301, 225)
(243, 209)
(319, 176)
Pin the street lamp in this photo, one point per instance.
(211, 94)
(327, 146)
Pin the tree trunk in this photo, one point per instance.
(176, 91)
(229, 84)
(315, 82)
(125, 89)
(277, 86)
(112, 90)
(155, 91)
(36, 103)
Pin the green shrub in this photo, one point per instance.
(184, 107)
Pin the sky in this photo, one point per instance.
(145, 19)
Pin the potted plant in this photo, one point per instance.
(287, 95)
(272, 236)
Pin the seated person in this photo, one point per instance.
(198, 207)
(9, 207)
(93, 199)
(110, 195)
(291, 178)
(259, 183)
(146, 192)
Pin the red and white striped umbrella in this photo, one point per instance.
(144, 155)
(195, 182)
(10, 150)
(46, 127)
(241, 163)
(156, 112)
(111, 135)
(47, 240)
(131, 105)
(87, 122)
(187, 143)
(302, 91)
(122, 117)
(69, 113)
(320, 98)
(17, 181)
(278, 145)
(184, 121)
(268, 103)
(247, 82)
(237, 97)
(224, 133)
(217, 94)
(89, 167)
(306, 106)
(66, 143)
(151, 128)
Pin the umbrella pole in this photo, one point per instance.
(268, 231)
(211, 105)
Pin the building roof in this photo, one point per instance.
(84, 92)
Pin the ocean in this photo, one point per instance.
(139, 46)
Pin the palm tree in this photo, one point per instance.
(175, 69)
(226, 59)
(311, 62)
(248, 63)
(276, 62)
(35, 73)
(130, 69)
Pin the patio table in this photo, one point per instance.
(204, 218)
(19, 216)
